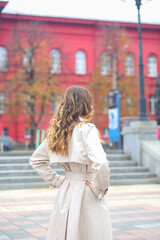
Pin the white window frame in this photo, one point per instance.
(152, 104)
(152, 66)
(105, 63)
(28, 56)
(3, 59)
(129, 64)
(3, 105)
(55, 61)
(80, 62)
(105, 108)
(55, 100)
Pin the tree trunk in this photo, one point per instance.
(32, 122)
(33, 129)
(32, 144)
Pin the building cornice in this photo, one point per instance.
(76, 21)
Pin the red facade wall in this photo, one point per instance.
(73, 35)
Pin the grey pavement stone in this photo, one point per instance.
(31, 214)
(152, 221)
(15, 231)
(119, 216)
(126, 209)
(136, 215)
(123, 226)
(17, 219)
(30, 226)
(150, 214)
(42, 221)
(118, 233)
(46, 214)
(21, 236)
(6, 224)
(4, 237)
(136, 223)
(143, 214)
(149, 225)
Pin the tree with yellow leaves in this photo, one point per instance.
(112, 72)
(32, 81)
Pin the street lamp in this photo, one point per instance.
(157, 97)
(142, 100)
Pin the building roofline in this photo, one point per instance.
(2, 5)
(77, 21)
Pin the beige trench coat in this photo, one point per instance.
(78, 213)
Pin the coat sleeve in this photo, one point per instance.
(100, 164)
(40, 162)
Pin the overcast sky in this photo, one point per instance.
(118, 10)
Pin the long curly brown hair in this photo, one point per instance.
(76, 102)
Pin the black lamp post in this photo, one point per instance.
(142, 100)
(157, 97)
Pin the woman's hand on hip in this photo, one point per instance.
(89, 185)
(63, 181)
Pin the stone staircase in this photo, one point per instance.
(16, 172)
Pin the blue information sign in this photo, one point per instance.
(114, 115)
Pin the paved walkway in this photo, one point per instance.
(135, 212)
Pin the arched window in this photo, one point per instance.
(3, 59)
(80, 62)
(152, 66)
(55, 100)
(129, 65)
(3, 104)
(105, 63)
(55, 59)
(28, 59)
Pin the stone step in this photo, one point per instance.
(132, 175)
(16, 166)
(29, 152)
(112, 151)
(43, 184)
(37, 178)
(118, 157)
(19, 159)
(21, 185)
(128, 169)
(26, 172)
(9, 166)
(31, 172)
(17, 179)
(133, 181)
(17, 173)
(124, 169)
(16, 153)
(25, 159)
(122, 163)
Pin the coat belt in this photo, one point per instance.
(79, 176)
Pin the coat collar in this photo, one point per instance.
(81, 119)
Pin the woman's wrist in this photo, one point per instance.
(63, 181)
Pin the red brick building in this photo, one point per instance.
(79, 38)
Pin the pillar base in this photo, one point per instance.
(136, 132)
